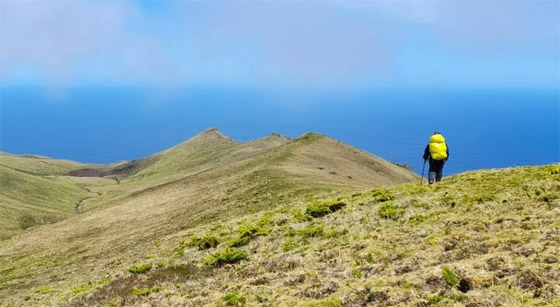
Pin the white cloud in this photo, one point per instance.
(276, 43)
(65, 40)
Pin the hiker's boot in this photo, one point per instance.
(431, 177)
(438, 176)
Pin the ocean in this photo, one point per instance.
(484, 128)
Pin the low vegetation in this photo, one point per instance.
(246, 233)
(235, 299)
(141, 268)
(484, 238)
(449, 276)
(225, 257)
(324, 208)
(205, 242)
(145, 291)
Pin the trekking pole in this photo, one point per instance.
(423, 167)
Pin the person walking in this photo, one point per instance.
(437, 153)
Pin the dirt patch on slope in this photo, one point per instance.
(125, 169)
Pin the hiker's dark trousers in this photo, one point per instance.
(436, 170)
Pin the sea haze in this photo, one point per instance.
(484, 128)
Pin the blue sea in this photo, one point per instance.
(484, 128)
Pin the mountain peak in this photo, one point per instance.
(275, 135)
(211, 134)
(211, 130)
(311, 136)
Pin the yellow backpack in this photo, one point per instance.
(438, 148)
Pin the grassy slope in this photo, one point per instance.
(497, 230)
(27, 200)
(334, 163)
(38, 165)
(171, 194)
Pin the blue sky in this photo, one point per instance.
(280, 44)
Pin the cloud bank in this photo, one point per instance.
(280, 44)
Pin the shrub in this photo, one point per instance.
(267, 220)
(449, 276)
(382, 195)
(246, 233)
(317, 210)
(235, 299)
(252, 231)
(242, 241)
(205, 242)
(389, 211)
(145, 291)
(227, 256)
(322, 209)
(141, 268)
(298, 216)
(310, 231)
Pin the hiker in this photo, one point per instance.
(437, 152)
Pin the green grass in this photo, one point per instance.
(225, 257)
(357, 273)
(388, 210)
(435, 299)
(36, 165)
(308, 232)
(140, 269)
(43, 290)
(146, 291)
(386, 247)
(205, 242)
(235, 299)
(382, 195)
(324, 208)
(27, 200)
(246, 233)
(449, 276)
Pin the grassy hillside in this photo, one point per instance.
(334, 163)
(38, 165)
(207, 179)
(28, 200)
(485, 238)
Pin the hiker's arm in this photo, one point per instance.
(447, 146)
(427, 152)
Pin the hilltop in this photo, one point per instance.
(241, 177)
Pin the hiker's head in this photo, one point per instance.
(436, 132)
